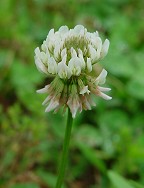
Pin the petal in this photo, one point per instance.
(40, 66)
(90, 100)
(52, 105)
(98, 42)
(79, 29)
(104, 88)
(98, 45)
(80, 52)
(84, 90)
(86, 104)
(92, 52)
(63, 29)
(43, 90)
(44, 58)
(81, 59)
(47, 100)
(52, 66)
(57, 48)
(50, 34)
(104, 96)
(73, 52)
(105, 48)
(75, 66)
(102, 77)
(37, 51)
(51, 37)
(44, 46)
(63, 53)
(74, 105)
(63, 70)
(99, 92)
(96, 34)
(89, 65)
(73, 100)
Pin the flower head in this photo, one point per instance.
(70, 55)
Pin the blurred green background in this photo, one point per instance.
(107, 144)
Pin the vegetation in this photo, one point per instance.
(107, 144)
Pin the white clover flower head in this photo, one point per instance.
(70, 55)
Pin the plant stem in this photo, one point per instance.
(64, 159)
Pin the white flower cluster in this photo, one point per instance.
(69, 55)
(70, 52)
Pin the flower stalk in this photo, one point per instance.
(70, 55)
(63, 163)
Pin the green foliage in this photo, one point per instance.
(110, 136)
(118, 181)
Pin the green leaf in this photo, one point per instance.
(118, 181)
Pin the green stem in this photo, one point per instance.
(64, 159)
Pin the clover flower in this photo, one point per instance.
(70, 55)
